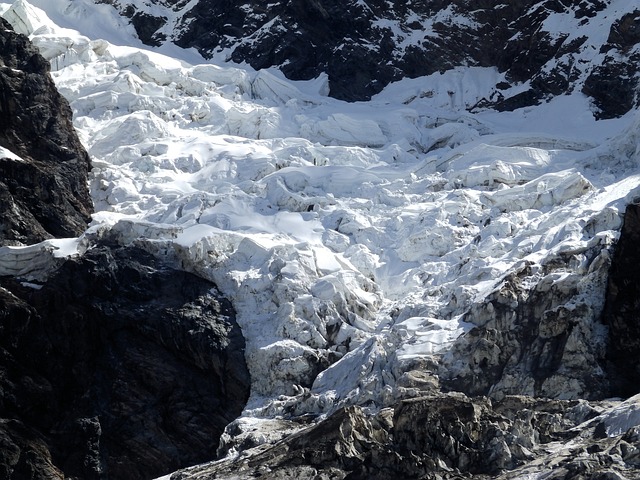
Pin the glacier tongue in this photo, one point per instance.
(356, 241)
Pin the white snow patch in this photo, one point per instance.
(6, 153)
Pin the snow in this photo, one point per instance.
(423, 335)
(351, 238)
(34, 261)
(5, 153)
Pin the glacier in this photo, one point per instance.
(357, 241)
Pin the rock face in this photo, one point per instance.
(363, 46)
(533, 335)
(116, 367)
(622, 311)
(43, 166)
(448, 437)
(536, 332)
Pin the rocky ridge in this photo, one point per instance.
(542, 48)
(449, 436)
(43, 166)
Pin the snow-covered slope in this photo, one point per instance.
(357, 241)
(545, 48)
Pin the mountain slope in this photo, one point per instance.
(101, 374)
(543, 48)
(386, 259)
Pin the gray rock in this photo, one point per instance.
(443, 436)
(24, 453)
(539, 333)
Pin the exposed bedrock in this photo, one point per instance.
(43, 175)
(622, 310)
(116, 367)
(363, 46)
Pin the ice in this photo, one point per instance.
(489, 164)
(26, 19)
(548, 190)
(424, 336)
(622, 417)
(35, 261)
(351, 238)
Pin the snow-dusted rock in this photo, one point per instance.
(535, 50)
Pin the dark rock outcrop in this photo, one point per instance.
(613, 85)
(45, 194)
(118, 366)
(622, 310)
(363, 46)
